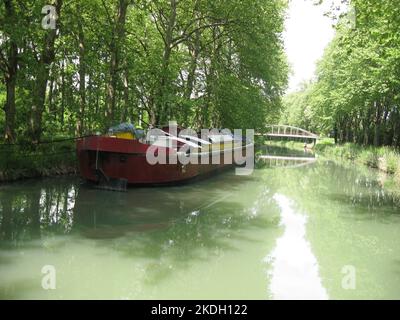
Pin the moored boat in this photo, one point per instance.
(130, 156)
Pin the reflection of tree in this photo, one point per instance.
(205, 230)
(344, 185)
(33, 212)
(6, 216)
(31, 208)
(170, 226)
(349, 223)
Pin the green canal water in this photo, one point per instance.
(318, 231)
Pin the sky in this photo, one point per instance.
(307, 34)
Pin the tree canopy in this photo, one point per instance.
(203, 63)
(356, 93)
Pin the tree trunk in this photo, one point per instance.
(125, 112)
(335, 133)
(90, 103)
(82, 81)
(10, 78)
(386, 135)
(118, 35)
(9, 108)
(366, 128)
(396, 131)
(39, 95)
(162, 111)
(366, 137)
(377, 124)
(193, 67)
(42, 76)
(195, 51)
(51, 95)
(62, 93)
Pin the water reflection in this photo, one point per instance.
(150, 236)
(275, 156)
(33, 208)
(294, 273)
(204, 240)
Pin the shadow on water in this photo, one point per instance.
(167, 230)
(180, 224)
(364, 193)
(33, 209)
(325, 180)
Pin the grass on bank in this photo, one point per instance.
(22, 160)
(386, 159)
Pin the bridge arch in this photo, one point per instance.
(289, 131)
(285, 131)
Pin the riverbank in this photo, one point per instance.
(385, 159)
(23, 161)
(59, 158)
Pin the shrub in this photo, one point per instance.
(397, 175)
(392, 161)
(369, 157)
(384, 158)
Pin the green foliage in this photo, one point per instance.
(2, 102)
(326, 142)
(368, 157)
(297, 109)
(25, 160)
(357, 92)
(203, 63)
(391, 160)
(384, 158)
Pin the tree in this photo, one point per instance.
(357, 89)
(201, 62)
(9, 65)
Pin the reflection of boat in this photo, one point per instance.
(63, 206)
(123, 155)
(111, 215)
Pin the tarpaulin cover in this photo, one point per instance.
(123, 127)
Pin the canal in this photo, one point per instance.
(319, 231)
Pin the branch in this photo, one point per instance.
(110, 20)
(158, 28)
(141, 42)
(163, 18)
(179, 40)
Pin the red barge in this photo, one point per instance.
(120, 158)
